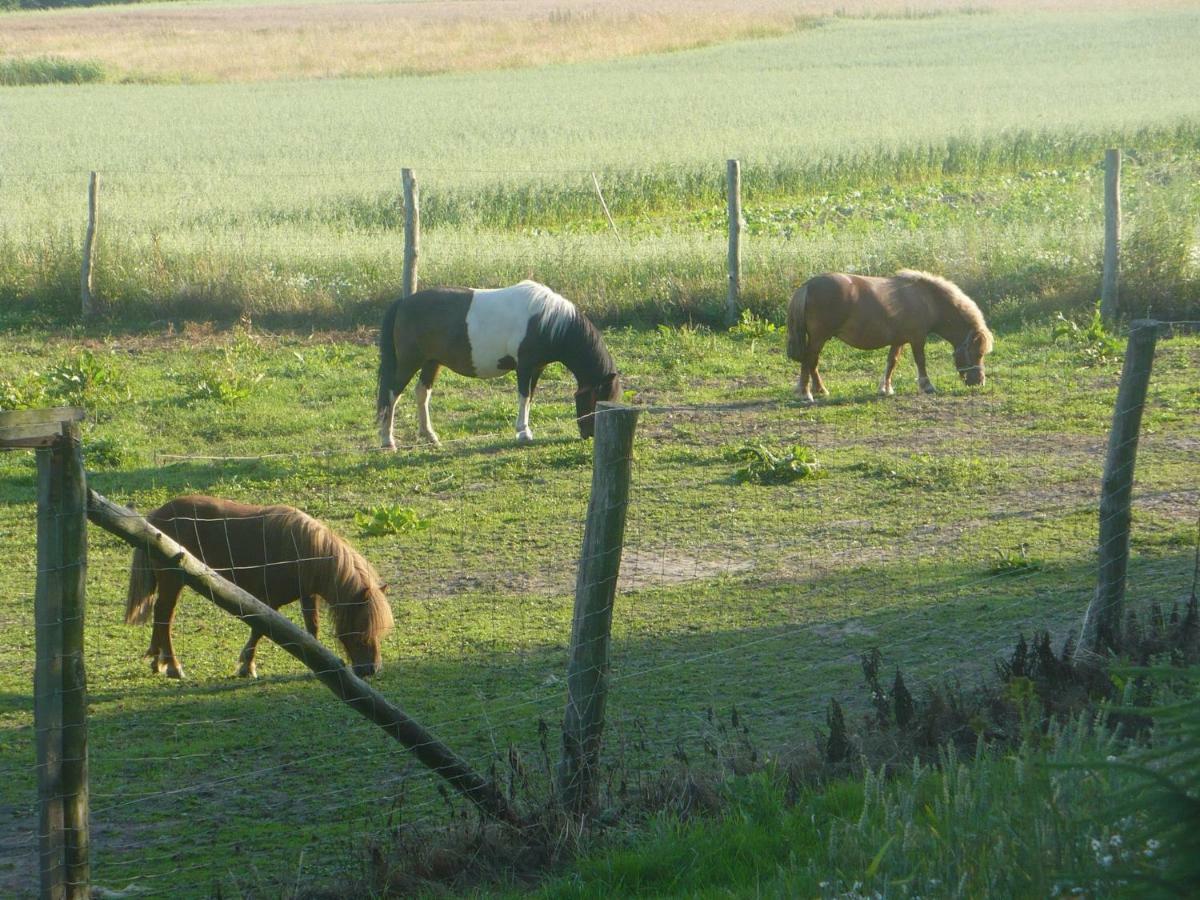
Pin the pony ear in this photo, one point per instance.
(383, 587)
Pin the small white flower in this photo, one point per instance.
(1096, 844)
(1114, 841)
(1111, 759)
(1152, 844)
(1106, 860)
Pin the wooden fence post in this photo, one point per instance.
(59, 683)
(412, 232)
(1109, 288)
(86, 299)
(733, 200)
(324, 663)
(1102, 623)
(595, 590)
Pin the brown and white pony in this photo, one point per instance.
(278, 554)
(869, 313)
(484, 334)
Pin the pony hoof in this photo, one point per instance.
(431, 438)
(176, 672)
(928, 388)
(524, 437)
(807, 399)
(247, 672)
(389, 447)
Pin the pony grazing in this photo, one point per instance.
(278, 554)
(483, 334)
(869, 313)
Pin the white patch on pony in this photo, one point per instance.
(424, 424)
(524, 432)
(498, 319)
(885, 387)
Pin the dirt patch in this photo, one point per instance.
(645, 568)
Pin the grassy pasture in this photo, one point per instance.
(281, 198)
(757, 598)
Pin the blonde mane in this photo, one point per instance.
(954, 295)
(344, 575)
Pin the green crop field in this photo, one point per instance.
(282, 198)
(251, 233)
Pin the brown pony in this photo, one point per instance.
(276, 553)
(869, 313)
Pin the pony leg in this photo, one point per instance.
(818, 385)
(424, 389)
(308, 608)
(246, 667)
(526, 382)
(885, 383)
(387, 411)
(162, 651)
(923, 381)
(808, 370)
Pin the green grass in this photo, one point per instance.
(1013, 826)
(49, 70)
(967, 144)
(754, 597)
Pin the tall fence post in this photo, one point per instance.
(86, 298)
(59, 682)
(733, 199)
(412, 232)
(595, 591)
(1109, 288)
(1102, 623)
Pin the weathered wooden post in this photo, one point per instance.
(59, 681)
(1102, 623)
(412, 232)
(86, 298)
(595, 590)
(733, 200)
(1109, 288)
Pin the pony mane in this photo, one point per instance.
(957, 298)
(553, 312)
(339, 576)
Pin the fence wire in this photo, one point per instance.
(937, 543)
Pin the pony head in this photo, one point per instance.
(362, 640)
(968, 356)
(586, 398)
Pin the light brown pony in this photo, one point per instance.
(278, 554)
(869, 313)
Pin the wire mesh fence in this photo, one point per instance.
(929, 528)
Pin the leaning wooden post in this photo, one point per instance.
(412, 232)
(86, 299)
(1110, 286)
(324, 663)
(595, 590)
(1102, 623)
(733, 199)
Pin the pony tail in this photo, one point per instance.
(387, 359)
(142, 585)
(797, 339)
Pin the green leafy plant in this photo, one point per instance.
(390, 519)
(1093, 341)
(22, 393)
(230, 379)
(753, 327)
(766, 466)
(85, 380)
(1013, 562)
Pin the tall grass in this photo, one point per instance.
(858, 153)
(50, 70)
